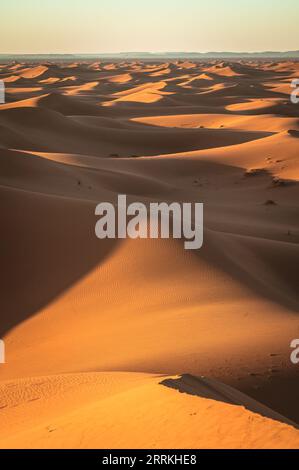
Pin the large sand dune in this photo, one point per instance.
(140, 343)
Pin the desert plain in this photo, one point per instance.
(141, 343)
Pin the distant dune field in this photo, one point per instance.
(140, 343)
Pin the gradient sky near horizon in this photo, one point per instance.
(92, 26)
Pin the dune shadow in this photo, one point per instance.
(49, 243)
(54, 249)
(211, 389)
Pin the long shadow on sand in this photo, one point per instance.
(48, 242)
(211, 389)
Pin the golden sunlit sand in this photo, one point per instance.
(140, 343)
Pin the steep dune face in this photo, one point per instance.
(77, 310)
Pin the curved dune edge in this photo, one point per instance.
(129, 410)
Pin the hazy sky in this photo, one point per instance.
(57, 26)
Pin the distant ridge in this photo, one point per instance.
(153, 56)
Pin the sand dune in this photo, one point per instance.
(227, 121)
(128, 401)
(32, 72)
(78, 137)
(106, 339)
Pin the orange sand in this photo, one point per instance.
(102, 336)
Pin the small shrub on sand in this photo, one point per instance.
(270, 202)
(254, 172)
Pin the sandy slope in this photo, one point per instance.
(77, 311)
(116, 406)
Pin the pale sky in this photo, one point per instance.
(94, 26)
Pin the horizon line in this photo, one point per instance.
(155, 52)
